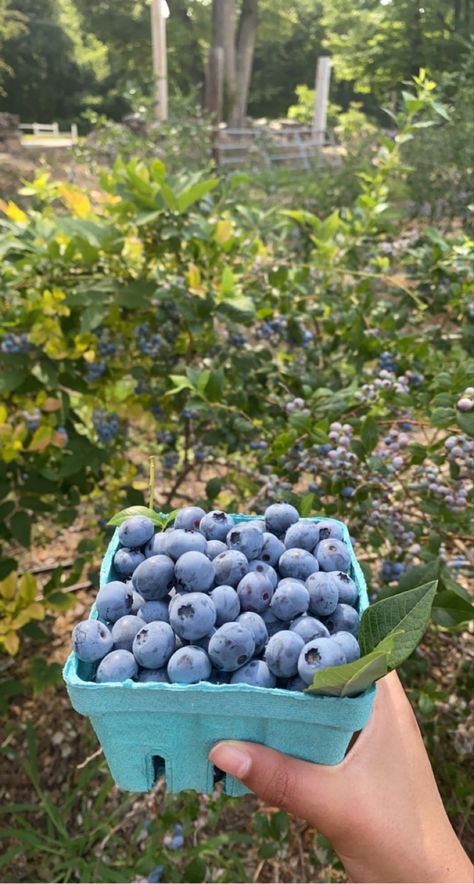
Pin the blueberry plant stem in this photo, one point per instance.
(152, 482)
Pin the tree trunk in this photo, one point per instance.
(244, 59)
(223, 34)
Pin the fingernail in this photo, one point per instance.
(231, 758)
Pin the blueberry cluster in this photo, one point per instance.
(466, 401)
(15, 343)
(460, 449)
(106, 424)
(387, 362)
(297, 406)
(238, 340)
(453, 493)
(149, 342)
(387, 379)
(392, 570)
(267, 602)
(95, 370)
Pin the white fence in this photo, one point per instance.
(49, 129)
(267, 145)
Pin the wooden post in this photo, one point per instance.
(214, 98)
(323, 77)
(158, 42)
(215, 83)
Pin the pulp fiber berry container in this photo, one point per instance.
(147, 729)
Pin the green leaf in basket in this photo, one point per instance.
(389, 631)
(157, 518)
(407, 611)
(354, 678)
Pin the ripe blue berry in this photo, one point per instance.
(279, 517)
(255, 673)
(91, 640)
(255, 592)
(189, 518)
(193, 615)
(226, 602)
(124, 631)
(282, 653)
(189, 665)
(194, 572)
(114, 600)
(136, 531)
(333, 555)
(319, 654)
(290, 599)
(116, 666)
(216, 525)
(257, 626)
(230, 567)
(323, 594)
(231, 646)
(154, 644)
(154, 577)
(298, 563)
(309, 628)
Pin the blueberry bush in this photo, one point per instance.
(259, 350)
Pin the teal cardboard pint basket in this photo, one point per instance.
(148, 729)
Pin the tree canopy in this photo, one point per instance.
(61, 57)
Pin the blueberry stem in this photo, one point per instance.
(152, 482)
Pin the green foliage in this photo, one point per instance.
(389, 632)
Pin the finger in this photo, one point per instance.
(300, 787)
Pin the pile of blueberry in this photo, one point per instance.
(266, 602)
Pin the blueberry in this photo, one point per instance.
(346, 588)
(319, 654)
(179, 541)
(272, 549)
(216, 525)
(226, 602)
(157, 545)
(91, 640)
(282, 652)
(230, 567)
(194, 572)
(333, 555)
(231, 646)
(114, 600)
(156, 675)
(154, 578)
(189, 665)
(138, 602)
(255, 592)
(272, 622)
(309, 628)
(298, 563)
(126, 560)
(256, 625)
(295, 684)
(124, 631)
(323, 593)
(154, 610)
(302, 535)
(215, 548)
(154, 644)
(192, 616)
(348, 644)
(116, 666)
(246, 539)
(256, 673)
(263, 568)
(344, 619)
(259, 524)
(136, 531)
(327, 528)
(189, 518)
(290, 599)
(279, 517)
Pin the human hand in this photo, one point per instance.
(380, 807)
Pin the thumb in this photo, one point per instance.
(305, 789)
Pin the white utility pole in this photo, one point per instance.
(159, 13)
(323, 78)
